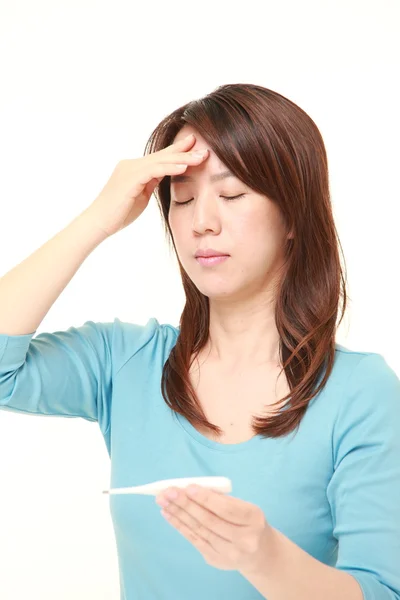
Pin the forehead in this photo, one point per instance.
(213, 162)
(213, 166)
(187, 130)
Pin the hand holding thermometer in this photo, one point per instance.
(219, 484)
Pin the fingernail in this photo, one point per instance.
(192, 490)
(162, 502)
(199, 153)
(171, 494)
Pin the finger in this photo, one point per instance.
(226, 507)
(151, 186)
(159, 170)
(183, 144)
(203, 545)
(200, 520)
(156, 171)
(193, 157)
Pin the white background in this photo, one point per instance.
(83, 84)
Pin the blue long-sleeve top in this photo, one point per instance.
(333, 487)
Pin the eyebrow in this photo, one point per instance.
(213, 178)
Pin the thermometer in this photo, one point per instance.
(219, 484)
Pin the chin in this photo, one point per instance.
(217, 289)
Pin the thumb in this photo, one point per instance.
(151, 186)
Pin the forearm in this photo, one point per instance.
(286, 572)
(28, 291)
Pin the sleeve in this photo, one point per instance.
(364, 491)
(65, 373)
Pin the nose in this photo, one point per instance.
(206, 215)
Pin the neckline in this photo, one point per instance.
(253, 442)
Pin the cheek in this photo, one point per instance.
(178, 231)
(173, 224)
(250, 229)
(259, 235)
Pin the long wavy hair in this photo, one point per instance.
(276, 149)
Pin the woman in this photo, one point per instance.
(252, 385)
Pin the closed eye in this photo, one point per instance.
(229, 198)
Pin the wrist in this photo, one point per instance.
(264, 555)
(93, 230)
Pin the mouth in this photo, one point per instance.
(209, 261)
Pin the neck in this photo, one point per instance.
(244, 333)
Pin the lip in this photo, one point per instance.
(209, 261)
(209, 252)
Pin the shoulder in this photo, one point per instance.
(361, 372)
(146, 341)
(357, 375)
(362, 391)
(354, 363)
(367, 397)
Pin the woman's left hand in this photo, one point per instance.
(230, 533)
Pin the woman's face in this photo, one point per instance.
(249, 229)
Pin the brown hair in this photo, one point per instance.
(276, 149)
